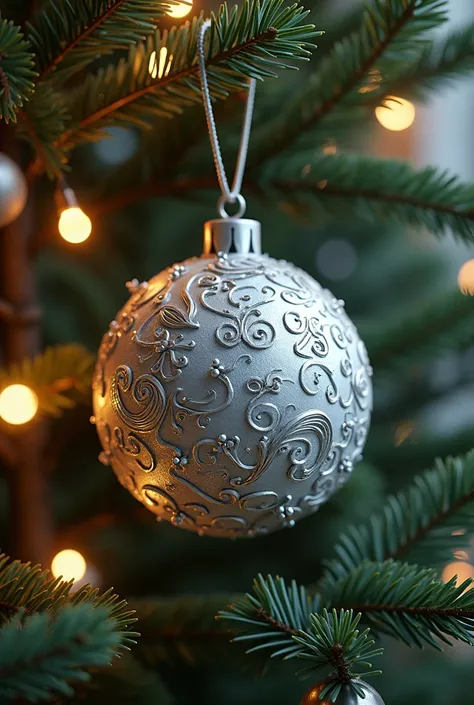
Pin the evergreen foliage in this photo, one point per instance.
(16, 70)
(425, 521)
(60, 376)
(71, 70)
(66, 37)
(376, 190)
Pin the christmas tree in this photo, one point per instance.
(105, 175)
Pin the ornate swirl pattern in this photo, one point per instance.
(232, 395)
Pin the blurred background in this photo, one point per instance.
(423, 400)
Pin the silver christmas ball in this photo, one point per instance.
(347, 696)
(232, 393)
(13, 190)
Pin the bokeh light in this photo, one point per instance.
(462, 569)
(466, 277)
(69, 564)
(336, 259)
(160, 68)
(18, 404)
(180, 10)
(395, 114)
(74, 225)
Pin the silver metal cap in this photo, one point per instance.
(227, 235)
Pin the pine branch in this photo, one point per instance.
(272, 616)
(252, 40)
(183, 628)
(40, 654)
(407, 602)
(60, 377)
(16, 71)
(127, 682)
(337, 651)
(377, 190)
(439, 64)
(391, 31)
(426, 521)
(41, 124)
(444, 322)
(31, 590)
(68, 35)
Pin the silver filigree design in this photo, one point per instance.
(165, 349)
(146, 395)
(245, 322)
(232, 395)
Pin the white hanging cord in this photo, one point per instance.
(228, 195)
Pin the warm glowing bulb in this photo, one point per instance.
(18, 404)
(461, 569)
(466, 277)
(162, 67)
(74, 225)
(395, 114)
(180, 10)
(69, 565)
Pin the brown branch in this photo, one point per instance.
(328, 189)
(338, 662)
(29, 505)
(269, 34)
(80, 37)
(342, 90)
(279, 626)
(457, 612)
(179, 187)
(424, 530)
(8, 451)
(4, 82)
(22, 316)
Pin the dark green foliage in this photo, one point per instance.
(253, 40)
(390, 32)
(377, 190)
(67, 35)
(272, 615)
(337, 651)
(41, 654)
(438, 64)
(408, 602)
(61, 376)
(125, 682)
(42, 123)
(427, 521)
(30, 589)
(444, 322)
(16, 71)
(184, 629)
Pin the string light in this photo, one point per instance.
(180, 10)
(160, 68)
(74, 225)
(18, 404)
(462, 569)
(466, 278)
(396, 113)
(69, 564)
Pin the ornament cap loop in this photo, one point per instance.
(232, 235)
(236, 197)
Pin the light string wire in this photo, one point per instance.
(229, 195)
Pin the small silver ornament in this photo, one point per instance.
(232, 393)
(347, 696)
(13, 190)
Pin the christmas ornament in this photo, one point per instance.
(347, 696)
(232, 393)
(13, 190)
